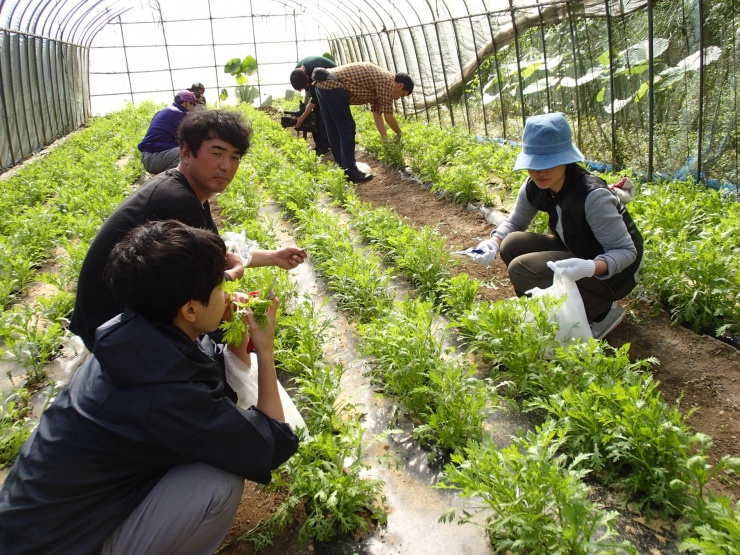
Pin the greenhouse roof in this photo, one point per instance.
(79, 21)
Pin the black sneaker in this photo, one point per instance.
(357, 176)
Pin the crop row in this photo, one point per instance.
(50, 210)
(325, 478)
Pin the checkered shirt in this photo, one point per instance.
(365, 83)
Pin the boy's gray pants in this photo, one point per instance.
(188, 512)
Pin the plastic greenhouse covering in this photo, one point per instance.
(648, 86)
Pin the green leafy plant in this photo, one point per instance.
(405, 350)
(300, 337)
(326, 475)
(534, 499)
(711, 525)
(633, 437)
(718, 533)
(241, 69)
(31, 341)
(457, 294)
(439, 390)
(235, 327)
(15, 424)
(692, 254)
(456, 407)
(513, 336)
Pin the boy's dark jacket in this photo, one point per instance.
(148, 399)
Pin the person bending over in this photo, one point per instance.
(300, 79)
(357, 83)
(594, 239)
(142, 452)
(212, 143)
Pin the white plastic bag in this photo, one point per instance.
(571, 316)
(243, 380)
(239, 244)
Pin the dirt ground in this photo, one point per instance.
(700, 370)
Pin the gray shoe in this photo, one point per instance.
(611, 320)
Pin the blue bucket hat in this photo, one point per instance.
(547, 142)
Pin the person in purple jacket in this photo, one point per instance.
(159, 148)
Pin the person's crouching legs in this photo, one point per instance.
(189, 511)
(526, 255)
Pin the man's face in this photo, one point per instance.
(399, 91)
(212, 170)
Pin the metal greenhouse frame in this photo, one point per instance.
(650, 86)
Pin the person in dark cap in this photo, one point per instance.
(198, 89)
(159, 148)
(300, 80)
(593, 239)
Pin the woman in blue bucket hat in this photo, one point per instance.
(594, 239)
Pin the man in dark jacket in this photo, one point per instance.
(142, 452)
(300, 79)
(159, 148)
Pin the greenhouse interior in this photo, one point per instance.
(433, 403)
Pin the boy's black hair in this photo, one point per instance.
(159, 266)
(405, 78)
(228, 125)
(299, 79)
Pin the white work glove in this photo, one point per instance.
(489, 250)
(574, 268)
(624, 189)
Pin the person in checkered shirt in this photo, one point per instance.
(357, 83)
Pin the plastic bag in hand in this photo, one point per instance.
(571, 315)
(243, 380)
(239, 244)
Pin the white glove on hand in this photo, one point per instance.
(574, 268)
(489, 249)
